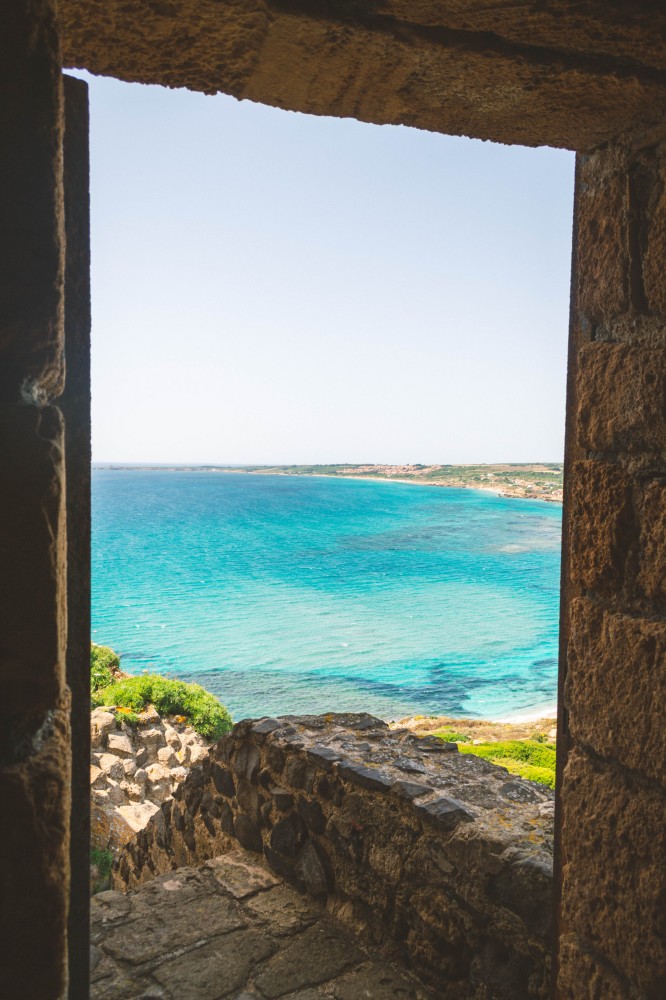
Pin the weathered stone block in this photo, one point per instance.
(101, 724)
(238, 877)
(248, 798)
(288, 835)
(652, 552)
(265, 726)
(614, 882)
(167, 757)
(248, 834)
(617, 675)
(581, 977)
(32, 557)
(600, 525)
(409, 789)
(295, 772)
(444, 812)
(622, 398)
(34, 884)
(120, 744)
(172, 738)
(655, 251)
(246, 762)
(312, 815)
(223, 781)
(274, 758)
(32, 246)
(282, 798)
(323, 756)
(366, 777)
(603, 241)
(311, 870)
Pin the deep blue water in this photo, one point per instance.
(286, 595)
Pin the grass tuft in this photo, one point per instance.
(525, 758)
(451, 736)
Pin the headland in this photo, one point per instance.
(533, 481)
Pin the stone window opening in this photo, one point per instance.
(292, 845)
(591, 81)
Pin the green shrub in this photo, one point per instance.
(103, 861)
(104, 666)
(449, 736)
(526, 758)
(203, 710)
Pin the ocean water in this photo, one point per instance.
(285, 595)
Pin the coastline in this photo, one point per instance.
(540, 725)
(529, 715)
(412, 482)
(503, 490)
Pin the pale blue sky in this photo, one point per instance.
(270, 287)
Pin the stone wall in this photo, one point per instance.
(134, 769)
(613, 790)
(579, 74)
(35, 734)
(438, 858)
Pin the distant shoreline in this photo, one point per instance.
(543, 480)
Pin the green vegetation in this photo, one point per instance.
(526, 758)
(203, 710)
(104, 666)
(540, 479)
(450, 736)
(103, 862)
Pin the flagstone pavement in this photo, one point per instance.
(231, 930)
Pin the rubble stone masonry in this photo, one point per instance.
(433, 857)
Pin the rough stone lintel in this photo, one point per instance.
(436, 867)
(531, 75)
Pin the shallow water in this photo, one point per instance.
(285, 595)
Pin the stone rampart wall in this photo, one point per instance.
(438, 858)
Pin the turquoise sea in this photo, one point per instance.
(309, 594)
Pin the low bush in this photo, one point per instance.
(200, 708)
(104, 666)
(526, 758)
(102, 860)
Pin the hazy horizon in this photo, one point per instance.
(280, 465)
(271, 288)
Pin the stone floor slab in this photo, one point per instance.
(231, 931)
